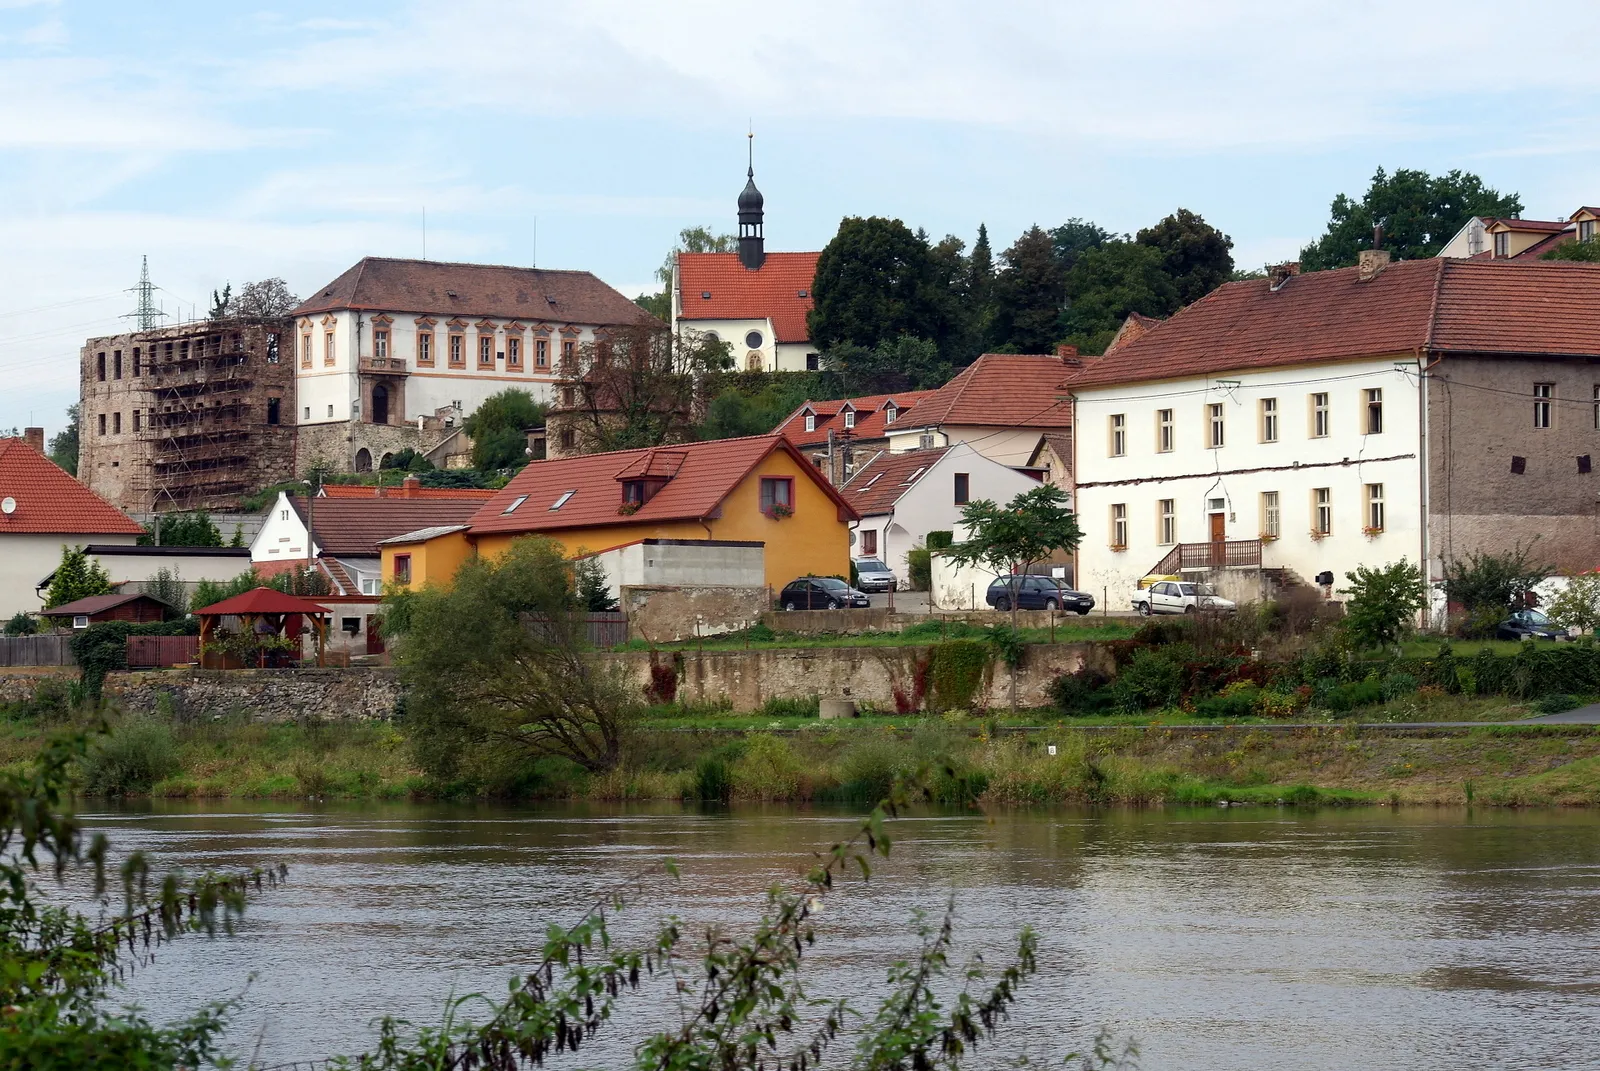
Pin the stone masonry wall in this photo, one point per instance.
(664, 615)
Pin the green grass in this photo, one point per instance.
(1428, 646)
(1074, 630)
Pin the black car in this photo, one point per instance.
(1530, 624)
(820, 593)
(1036, 593)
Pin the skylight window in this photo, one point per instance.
(912, 478)
(876, 476)
(561, 501)
(705, 295)
(515, 502)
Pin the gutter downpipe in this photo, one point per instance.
(1423, 367)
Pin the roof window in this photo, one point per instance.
(705, 295)
(802, 293)
(561, 501)
(914, 475)
(876, 476)
(515, 502)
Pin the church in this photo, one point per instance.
(754, 300)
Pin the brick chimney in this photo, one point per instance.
(1371, 262)
(411, 487)
(1279, 274)
(34, 437)
(1066, 351)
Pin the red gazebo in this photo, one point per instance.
(264, 611)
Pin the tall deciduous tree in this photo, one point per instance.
(184, 530)
(636, 387)
(1076, 237)
(1194, 254)
(690, 240)
(904, 363)
(64, 444)
(1382, 602)
(1419, 213)
(873, 283)
(1029, 293)
(1107, 284)
(498, 429)
(264, 299)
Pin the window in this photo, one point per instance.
(380, 342)
(1169, 522)
(273, 341)
(102, 423)
(305, 351)
(568, 348)
(1119, 434)
(1585, 230)
(514, 352)
(116, 423)
(813, 362)
(566, 438)
(567, 397)
(1319, 416)
(402, 568)
(811, 418)
(963, 483)
(1502, 244)
(116, 364)
(869, 543)
(777, 493)
(1322, 511)
(1374, 411)
(1119, 525)
(925, 440)
(330, 410)
(541, 352)
(1597, 406)
(308, 412)
(283, 515)
(425, 347)
(849, 418)
(561, 500)
(1214, 412)
(458, 351)
(1164, 431)
(485, 351)
(1374, 507)
(1271, 519)
(80, 620)
(1542, 393)
(369, 586)
(272, 351)
(271, 412)
(889, 413)
(1269, 420)
(327, 348)
(753, 340)
(100, 366)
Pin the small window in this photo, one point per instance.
(308, 412)
(541, 352)
(1374, 411)
(116, 363)
(116, 423)
(889, 413)
(1374, 508)
(1119, 525)
(962, 484)
(925, 440)
(913, 477)
(1502, 244)
(80, 621)
(813, 362)
(283, 515)
(561, 500)
(327, 348)
(380, 343)
(566, 438)
(402, 568)
(849, 418)
(1269, 420)
(777, 494)
(330, 410)
(811, 418)
(869, 542)
(753, 340)
(1270, 518)
(305, 351)
(1322, 511)
(272, 351)
(458, 351)
(1542, 394)
(514, 352)
(1585, 230)
(1169, 521)
(273, 417)
(136, 416)
(1218, 426)
(1597, 406)
(100, 366)
(1164, 431)
(369, 586)
(1119, 434)
(1319, 416)
(102, 423)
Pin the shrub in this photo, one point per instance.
(786, 707)
(919, 564)
(1559, 703)
(1273, 704)
(956, 670)
(1382, 602)
(1231, 703)
(1578, 604)
(130, 759)
(760, 633)
(1346, 697)
(1151, 679)
(21, 625)
(1086, 691)
(1487, 585)
(867, 768)
(713, 780)
(938, 540)
(768, 770)
(1396, 685)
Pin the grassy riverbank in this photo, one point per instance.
(960, 762)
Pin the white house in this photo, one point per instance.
(902, 497)
(42, 510)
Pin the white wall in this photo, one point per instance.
(1192, 474)
(683, 565)
(282, 536)
(1009, 446)
(190, 567)
(735, 332)
(26, 559)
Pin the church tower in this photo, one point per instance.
(752, 247)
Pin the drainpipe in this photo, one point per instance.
(1425, 447)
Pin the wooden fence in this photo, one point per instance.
(53, 649)
(608, 629)
(158, 652)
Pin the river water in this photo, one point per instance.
(1237, 938)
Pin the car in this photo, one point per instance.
(1036, 593)
(1179, 597)
(1528, 625)
(820, 593)
(873, 575)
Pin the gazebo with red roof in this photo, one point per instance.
(259, 607)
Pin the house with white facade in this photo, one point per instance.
(902, 497)
(755, 301)
(841, 435)
(397, 353)
(1301, 425)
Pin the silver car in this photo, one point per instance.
(873, 575)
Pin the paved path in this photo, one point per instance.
(1589, 715)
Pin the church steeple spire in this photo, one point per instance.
(752, 247)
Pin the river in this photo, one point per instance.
(1230, 938)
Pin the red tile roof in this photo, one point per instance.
(780, 290)
(533, 295)
(871, 416)
(1016, 390)
(261, 601)
(343, 490)
(709, 472)
(352, 527)
(1530, 224)
(1442, 305)
(878, 485)
(95, 604)
(50, 501)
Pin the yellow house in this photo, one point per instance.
(758, 488)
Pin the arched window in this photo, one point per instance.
(363, 460)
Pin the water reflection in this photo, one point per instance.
(1239, 939)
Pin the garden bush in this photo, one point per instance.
(130, 760)
(768, 770)
(1086, 691)
(783, 707)
(1230, 703)
(1153, 678)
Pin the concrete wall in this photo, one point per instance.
(27, 559)
(684, 563)
(663, 615)
(1480, 416)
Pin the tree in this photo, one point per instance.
(690, 240)
(874, 281)
(961, 319)
(1107, 284)
(636, 387)
(22, 624)
(1418, 211)
(409, 460)
(1382, 601)
(498, 429)
(904, 363)
(1009, 540)
(499, 669)
(594, 587)
(166, 585)
(1577, 606)
(1584, 252)
(220, 304)
(64, 444)
(1488, 586)
(77, 577)
(1029, 294)
(1194, 254)
(210, 592)
(183, 530)
(266, 299)
(1076, 237)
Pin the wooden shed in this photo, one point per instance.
(136, 607)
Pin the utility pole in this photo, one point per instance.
(145, 312)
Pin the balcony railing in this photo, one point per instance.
(1225, 554)
(393, 366)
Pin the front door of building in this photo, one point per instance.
(374, 635)
(1219, 539)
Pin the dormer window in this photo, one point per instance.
(1585, 230)
(889, 413)
(1502, 244)
(811, 422)
(849, 418)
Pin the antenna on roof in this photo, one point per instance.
(424, 232)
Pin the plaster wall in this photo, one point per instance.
(25, 559)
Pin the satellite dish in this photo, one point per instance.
(8, 505)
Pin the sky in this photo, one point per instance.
(235, 141)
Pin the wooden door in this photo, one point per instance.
(374, 636)
(1219, 539)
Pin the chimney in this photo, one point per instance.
(34, 437)
(411, 487)
(1066, 351)
(1370, 264)
(1279, 274)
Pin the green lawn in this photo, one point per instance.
(1074, 630)
(1428, 646)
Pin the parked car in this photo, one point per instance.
(1530, 624)
(873, 575)
(820, 593)
(1179, 597)
(1036, 593)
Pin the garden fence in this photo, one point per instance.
(49, 650)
